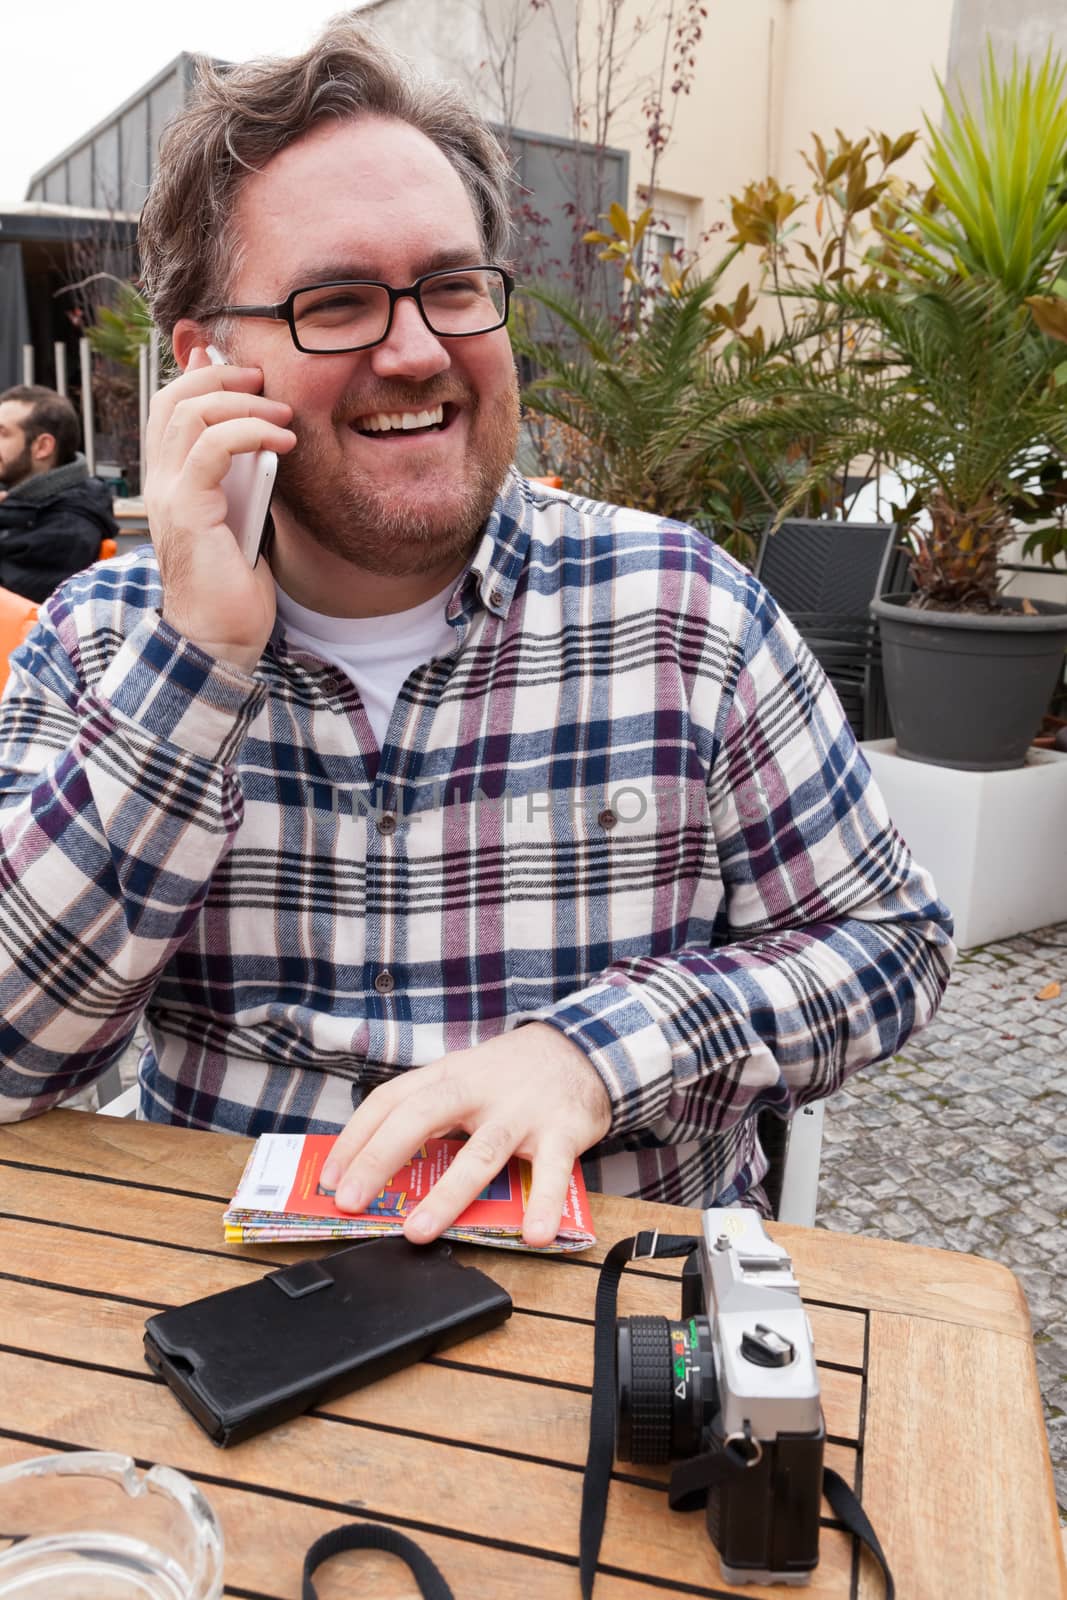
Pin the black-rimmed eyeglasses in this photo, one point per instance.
(354, 314)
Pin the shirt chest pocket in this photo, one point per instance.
(600, 875)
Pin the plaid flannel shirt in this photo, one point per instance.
(626, 804)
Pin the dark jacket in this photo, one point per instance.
(51, 526)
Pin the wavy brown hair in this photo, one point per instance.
(240, 117)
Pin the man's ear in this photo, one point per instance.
(185, 338)
(43, 447)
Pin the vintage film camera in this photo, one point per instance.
(736, 1371)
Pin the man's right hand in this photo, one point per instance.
(196, 425)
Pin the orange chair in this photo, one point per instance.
(17, 617)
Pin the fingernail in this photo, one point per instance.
(330, 1174)
(349, 1198)
(419, 1226)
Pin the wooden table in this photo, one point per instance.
(929, 1390)
(130, 514)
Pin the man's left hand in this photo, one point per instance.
(530, 1092)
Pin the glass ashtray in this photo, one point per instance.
(91, 1526)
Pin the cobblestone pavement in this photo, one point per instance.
(960, 1141)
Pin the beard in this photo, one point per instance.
(410, 528)
(17, 471)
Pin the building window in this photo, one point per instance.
(667, 235)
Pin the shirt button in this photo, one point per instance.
(386, 822)
(607, 818)
(496, 599)
(385, 983)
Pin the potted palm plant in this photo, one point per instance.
(958, 388)
(968, 410)
(978, 416)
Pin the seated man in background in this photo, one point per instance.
(473, 806)
(53, 515)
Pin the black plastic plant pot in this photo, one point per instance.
(969, 691)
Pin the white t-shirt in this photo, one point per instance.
(377, 653)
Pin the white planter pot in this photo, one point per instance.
(995, 842)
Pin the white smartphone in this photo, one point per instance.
(248, 486)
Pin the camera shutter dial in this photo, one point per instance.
(766, 1348)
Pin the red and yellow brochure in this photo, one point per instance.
(281, 1197)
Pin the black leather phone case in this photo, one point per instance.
(251, 1357)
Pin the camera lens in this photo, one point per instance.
(664, 1387)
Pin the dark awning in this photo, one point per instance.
(26, 222)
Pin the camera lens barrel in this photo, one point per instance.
(643, 1392)
(664, 1387)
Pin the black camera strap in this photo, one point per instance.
(375, 1536)
(690, 1480)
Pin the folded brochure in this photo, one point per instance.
(281, 1197)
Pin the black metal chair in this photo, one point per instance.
(835, 568)
(849, 650)
(824, 576)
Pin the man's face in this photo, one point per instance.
(374, 198)
(16, 462)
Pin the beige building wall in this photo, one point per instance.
(857, 66)
(768, 73)
(772, 72)
(468, 42)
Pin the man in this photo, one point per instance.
(53, 515)
(475, 807)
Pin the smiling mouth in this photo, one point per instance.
(403, 424)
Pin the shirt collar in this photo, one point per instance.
(498, 558)
(501, 552)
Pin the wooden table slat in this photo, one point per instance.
(989, 1453)
(937, 1283)
(483, 1404)
(474, 1493)
(266, 1539)
(193, 1227)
